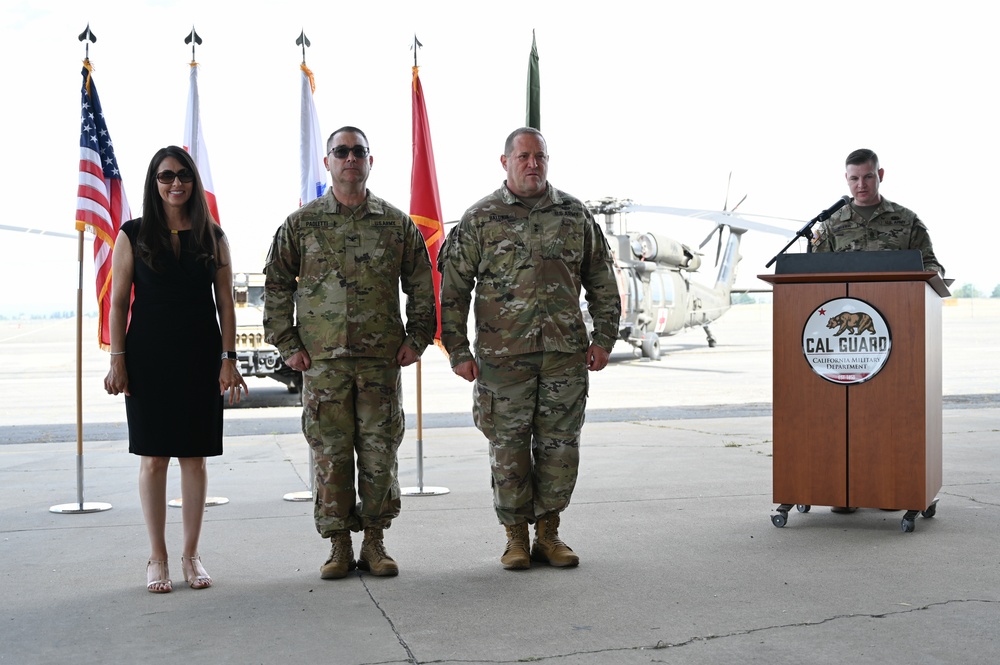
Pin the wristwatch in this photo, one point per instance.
(229, 355)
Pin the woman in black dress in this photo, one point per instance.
(171, 268)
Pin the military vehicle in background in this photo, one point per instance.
(655, 273)
(255, 356)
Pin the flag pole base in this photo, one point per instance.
(424, 491)
(298, 496)
(77, 508)
(209, 501)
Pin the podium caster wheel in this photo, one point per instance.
(930, 512)
(907, 526)
(803, 508)
(779, 520)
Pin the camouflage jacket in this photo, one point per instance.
(891, 227)
(332, 282)
(527, 267)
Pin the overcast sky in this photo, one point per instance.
(652, 101)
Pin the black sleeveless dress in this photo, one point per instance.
(173, 350)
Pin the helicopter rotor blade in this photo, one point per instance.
(728, 218)
(704, 242)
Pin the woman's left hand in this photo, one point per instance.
(230, 379)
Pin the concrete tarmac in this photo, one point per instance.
(671, 518)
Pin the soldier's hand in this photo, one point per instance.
(467, 370)
(406, 356)
(597, 358)
(299, 361)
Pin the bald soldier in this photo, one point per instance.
(332, 309)
(528, 249)
(871, 222)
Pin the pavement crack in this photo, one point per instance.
(660, 646)
(838, 617)
(402, 642)
(969, 497)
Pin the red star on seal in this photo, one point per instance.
(822, 312)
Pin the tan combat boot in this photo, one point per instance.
(341, 559)
(373, 557)
(516, 556)
(547, 547)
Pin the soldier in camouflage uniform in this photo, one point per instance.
(871, 222)
(528, 249)
(332, 309)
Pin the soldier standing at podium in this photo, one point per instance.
(871, 222)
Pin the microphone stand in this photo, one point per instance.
(804, 232)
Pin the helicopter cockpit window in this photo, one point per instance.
(655, 290)
(668, 292)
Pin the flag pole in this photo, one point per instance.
(194, 147)
(80, 507)
(304, 495)
(420, 119)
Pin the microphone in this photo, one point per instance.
(826, 214)
(806, 231)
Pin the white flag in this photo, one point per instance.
(194, 142)
(311, 149)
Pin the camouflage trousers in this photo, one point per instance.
(353, 406)
(531, 409)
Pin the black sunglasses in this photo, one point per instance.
(341, 151)
(167, 177)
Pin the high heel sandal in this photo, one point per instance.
(164, 574)
(194, 573)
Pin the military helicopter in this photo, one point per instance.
(659, 297)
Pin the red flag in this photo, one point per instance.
(194, 142)
(100, 198)
(425, 204)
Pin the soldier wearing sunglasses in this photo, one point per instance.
(333, 277)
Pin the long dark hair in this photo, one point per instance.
(153, 241)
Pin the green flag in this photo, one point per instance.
(533, 117)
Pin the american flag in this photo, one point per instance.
(100, 198)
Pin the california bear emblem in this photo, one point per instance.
(853, 322)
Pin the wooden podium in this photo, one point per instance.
(872, 444)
